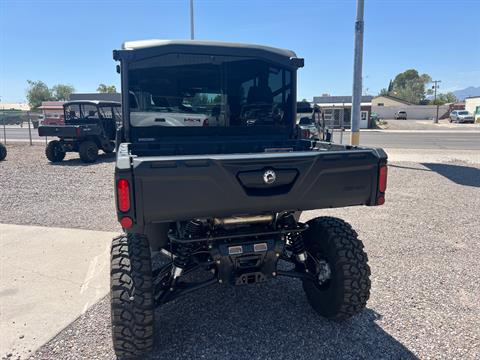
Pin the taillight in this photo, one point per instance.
(123, 195)
(382, 179)
(126, 222)
(78, 131)
(206, 123)
(382, 184)
(305, 133)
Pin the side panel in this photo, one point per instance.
(69, 131)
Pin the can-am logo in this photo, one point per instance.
(269, 177)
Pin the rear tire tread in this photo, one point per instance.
(54, 152)
(88, 151)
(132, 300)
(349, 259)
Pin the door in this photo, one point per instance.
(363, 119)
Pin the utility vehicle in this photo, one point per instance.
(226, 198)
(90, 125)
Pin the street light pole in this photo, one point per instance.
(435, 98)
(357, 75)
(192, 27)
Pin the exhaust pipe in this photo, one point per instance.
(235, 220)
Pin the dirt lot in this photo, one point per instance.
(423, 247)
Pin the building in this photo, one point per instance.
(386, 106)
(52, 112)
(97, 96)
(337, 110)
(471, 104)
(388, 101)
(14, 106)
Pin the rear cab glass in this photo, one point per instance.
(187, 94)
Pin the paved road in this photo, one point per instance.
(18, 133)
(39, 299)
(418, 140)
(408, 140)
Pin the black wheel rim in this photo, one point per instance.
(314, 266)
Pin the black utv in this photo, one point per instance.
(212, 172)
(90, 125)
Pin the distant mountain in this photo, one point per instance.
(469, 91)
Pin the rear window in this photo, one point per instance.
(463, 113)
(305, 121)
(201, 91)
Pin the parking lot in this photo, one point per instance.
(423, 247)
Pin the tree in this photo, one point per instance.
(410, 86)
(444, 99)
(37, 92)
(102, 88)
(383, 92)
(62, 92)
(390, 86)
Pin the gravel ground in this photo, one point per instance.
(423, 247)
(70, 194)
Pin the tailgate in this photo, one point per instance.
(185, 187)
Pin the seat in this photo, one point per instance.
(260, 94)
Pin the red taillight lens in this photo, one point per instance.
(382, 179)
(206, 123)
(78, 131)
(126, 222)
(123, 194)
(381, 200)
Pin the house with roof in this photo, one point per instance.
(52, 112)
(337, 110)
(387, 100)
(385, 106)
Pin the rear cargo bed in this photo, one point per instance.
(169, 188)
(69, 131)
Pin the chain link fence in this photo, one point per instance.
(19, 126)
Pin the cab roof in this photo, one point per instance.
(138, 50)
(92, 102)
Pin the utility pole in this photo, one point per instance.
(435, 86)
(192, 26)
(357, 75)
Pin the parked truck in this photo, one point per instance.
(225, 199)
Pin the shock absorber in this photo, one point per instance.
(183, 251)
(296, 241)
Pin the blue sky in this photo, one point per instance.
(72, 41)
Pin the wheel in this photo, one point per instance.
(336, 258)
(109, 148)
(88, 151)
(131, 296)
(3, 152)
(54, 151)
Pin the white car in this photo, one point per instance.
(461, 116)
(400, 115)
(160, 118)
